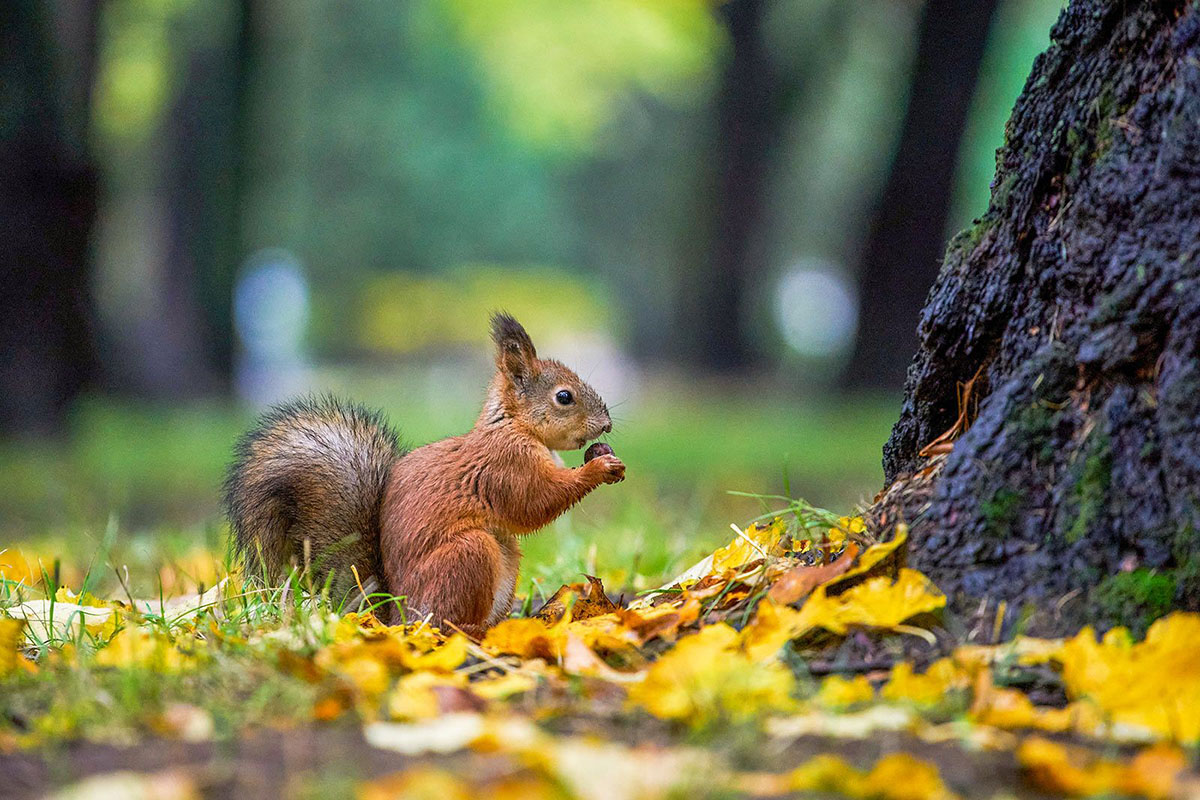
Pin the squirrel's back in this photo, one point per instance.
(305, 489)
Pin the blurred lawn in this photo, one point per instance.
(145, 482)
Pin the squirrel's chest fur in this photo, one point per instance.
(442, 493)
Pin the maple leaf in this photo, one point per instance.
(875, 603)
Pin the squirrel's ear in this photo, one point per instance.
(515, 353)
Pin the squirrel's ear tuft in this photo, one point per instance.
(515, 353)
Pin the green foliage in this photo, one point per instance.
(556, 73)
(1000, 511)
(1019, 33)
(1136, 598)
(1091, 489)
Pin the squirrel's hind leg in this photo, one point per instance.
(457, 582)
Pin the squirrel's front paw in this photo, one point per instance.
(611, 468)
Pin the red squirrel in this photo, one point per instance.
(326, 485)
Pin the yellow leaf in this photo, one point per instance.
(527, 638)
(874, 603)
(1011, 709)
(1153, 685)
(504, 685)
(1024, 650)
(136, 648)
(706, 678)
(444, 658)
(839, 692)
(15, 567)
(415, 698)
(369, 675)
(418, 783)
(874, 556)
(11, 638)
(607, 633)
(773, 626)
(65, 595)
(927, 689)
(740, 551)
(897, 776)
(1077, 772)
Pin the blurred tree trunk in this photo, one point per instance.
(746, 128)
(203, 184)
(1072, 311)
(754, 104)
(48, 195)
(908, 232)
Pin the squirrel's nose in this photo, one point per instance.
(607, 425)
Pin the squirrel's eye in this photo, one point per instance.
(563, 397)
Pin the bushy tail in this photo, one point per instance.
(305, 490)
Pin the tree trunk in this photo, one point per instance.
(1072, 310)
(711, 331)
(903, 249)
(755, 102)
(48, 195)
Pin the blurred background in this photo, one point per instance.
(726, 216)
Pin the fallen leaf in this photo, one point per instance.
(579, 659)
(1024, 650)
(883, 558)
(134, 647)
(852, 725)
(799, 581)
(599, 770)
(896, 776)
(771, 628)
(11, 638)
(837, 692)
(1078, 772)
(445, 734)
(504, 685)
(418, 783)
(1153, 685)
(527, 638)
(706, 677)
(171, 784)
(583, 600)
(926, 689)
(754, 544)
(875, 603)
(660, 622)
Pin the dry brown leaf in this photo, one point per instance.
(584, 600)
(661, 622)
(799, 582)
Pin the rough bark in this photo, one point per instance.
(908, 232)
(1075, 491)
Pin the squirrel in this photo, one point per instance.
(326, 485)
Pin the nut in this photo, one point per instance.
(596, 450)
